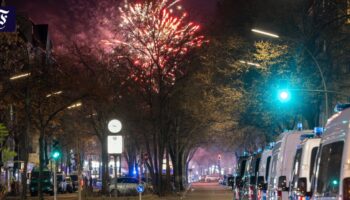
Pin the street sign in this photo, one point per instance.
(140, 188)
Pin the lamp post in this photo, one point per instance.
(315, 62)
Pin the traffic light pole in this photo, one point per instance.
(55, 182)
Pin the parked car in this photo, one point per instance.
(282, 163)
(61, 183)
(226, 179)
(303, 167)
(125, 186)
(263, 173)
(250, 177)
(333, 170)
(75, 182)
(238, 175)
(46, 182)
(69, 184)
(212, 178)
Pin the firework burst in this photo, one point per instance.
(157, 36)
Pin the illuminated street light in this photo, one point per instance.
(75, 105)
(54, 93)
(265, 33)
(250, 63)
(19, 76)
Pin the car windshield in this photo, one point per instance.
(131, 180)
(74, 177)
(328, 173)
(59, 178)
(45, 175)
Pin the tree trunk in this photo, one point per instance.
(24, 157)
(105, 171)
(168, 178)
(41, 162)
(25, 142)
(160, 171)
(180, 171)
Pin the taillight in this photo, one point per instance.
(346, 189)
(251, 192)
(279, 194)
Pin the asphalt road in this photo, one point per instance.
(209, 191)
(198, 191)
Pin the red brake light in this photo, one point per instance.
(279, 193)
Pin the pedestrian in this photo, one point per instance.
(86, 182)
(90, 184)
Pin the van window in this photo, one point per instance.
(328, 174)
(242, 167)
(267, 168)
(273, 168)
(296, 167)
(257, 164)
(312, 161)
(247, 167)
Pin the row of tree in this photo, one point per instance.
(173, 89)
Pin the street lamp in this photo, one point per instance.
(54, 94)
(249, 63)
(313, 59)
(19, 76)
(76, 105)
(265, 33)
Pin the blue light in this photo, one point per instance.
(300, 126)
(318, 131)
(134, 171)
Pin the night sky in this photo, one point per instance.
(91, 20)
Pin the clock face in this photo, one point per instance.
(114, 126)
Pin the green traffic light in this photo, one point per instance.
(335, 182)
(284, 96)
(56, 155)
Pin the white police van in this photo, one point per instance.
(303, 166)
(333, 160)
(263, 173)
(282, 162)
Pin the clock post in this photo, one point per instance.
(115, 147)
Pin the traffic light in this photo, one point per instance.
(55, 152)
(284, 95)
